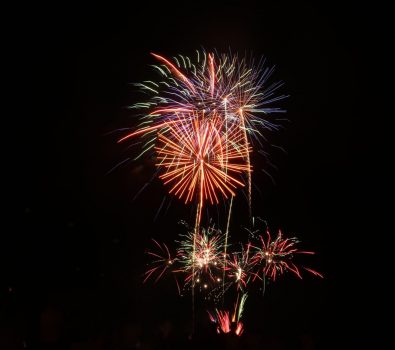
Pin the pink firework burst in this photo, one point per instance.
(239, 267)
(162, 262)
(274, 256)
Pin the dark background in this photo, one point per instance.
(74, 239)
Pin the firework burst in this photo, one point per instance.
(162, 262)
(201, 257)
(239, 267)
(197, 161)
(275, 256)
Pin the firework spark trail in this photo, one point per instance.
(225, 248)
(196, 231)
(148, 129)
(175, 71)
(241, 306)
(235, 309)
(249, 180)
(315, 273)
(263, 283)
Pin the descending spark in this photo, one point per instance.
(248, 163)
(225, 248)
(241, 306)
(212, 74)
(313, 272)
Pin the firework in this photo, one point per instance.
(226, 323)
(232, 91)
(274, 256)
(162, 262)
(197, 161)
(202, 120)
(201, 257)
(239, 268)
(235, 88)
(198, 120)
(200, 262)
(222, 319)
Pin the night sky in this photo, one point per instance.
(73, 243)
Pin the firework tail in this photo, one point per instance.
(263, 283)
(196, 231)
(235, 310)
(225, 248)
(246, 145)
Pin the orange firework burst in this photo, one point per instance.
(200, 160)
